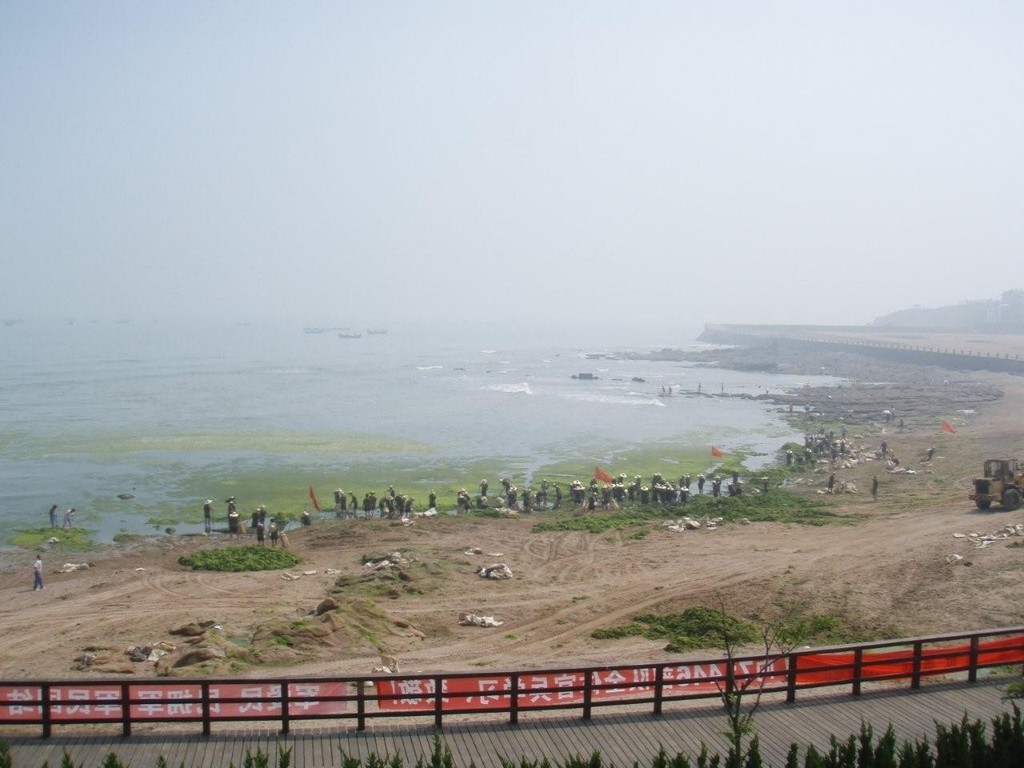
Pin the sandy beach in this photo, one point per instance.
(887, 572)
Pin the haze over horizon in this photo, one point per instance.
(652, 162)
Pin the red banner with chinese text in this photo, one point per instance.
(170, 701)
(538, 690)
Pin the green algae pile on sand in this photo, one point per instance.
(240, 559)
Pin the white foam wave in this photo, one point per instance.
(515, 389)
(429, 367)
(627, 399)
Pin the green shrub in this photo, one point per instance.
(701, 627)
(697, 627)
(777, 506)
(244, 558)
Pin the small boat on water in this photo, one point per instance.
(322, 329)
(376, 331)
(349, 335)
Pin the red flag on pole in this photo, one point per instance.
(947, 427)
(312, 497)
(604, 477)
(717, 452)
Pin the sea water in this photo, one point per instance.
(91, 410)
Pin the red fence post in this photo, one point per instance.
(588, 692)
(285, 725)
(438, 703)
(659, 687)
(44, 694)
(204, 691)
(361, 705)
(972, 667)
(791, 678)
(513, 707)
(915, 677)
(126, 710)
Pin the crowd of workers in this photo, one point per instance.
(604, 493)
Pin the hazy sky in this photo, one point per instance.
(671, 162)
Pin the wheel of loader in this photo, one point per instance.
(983, 503)
(1011, 499)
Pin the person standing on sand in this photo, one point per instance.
(53, 516)
(208, 515)
(874, 488)
(232, 515)
(37, 573)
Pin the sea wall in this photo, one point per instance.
(834, 338)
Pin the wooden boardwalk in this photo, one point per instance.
(622, 736)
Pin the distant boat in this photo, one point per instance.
(349, 335)
(324, 329)
(376, 331)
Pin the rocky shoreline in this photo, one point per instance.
(919, 394)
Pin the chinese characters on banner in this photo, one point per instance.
(171, 701)
(539, 690)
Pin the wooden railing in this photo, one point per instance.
(361, 698)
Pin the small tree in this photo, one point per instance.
(741, 693)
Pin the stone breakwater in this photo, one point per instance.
(923, 349)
